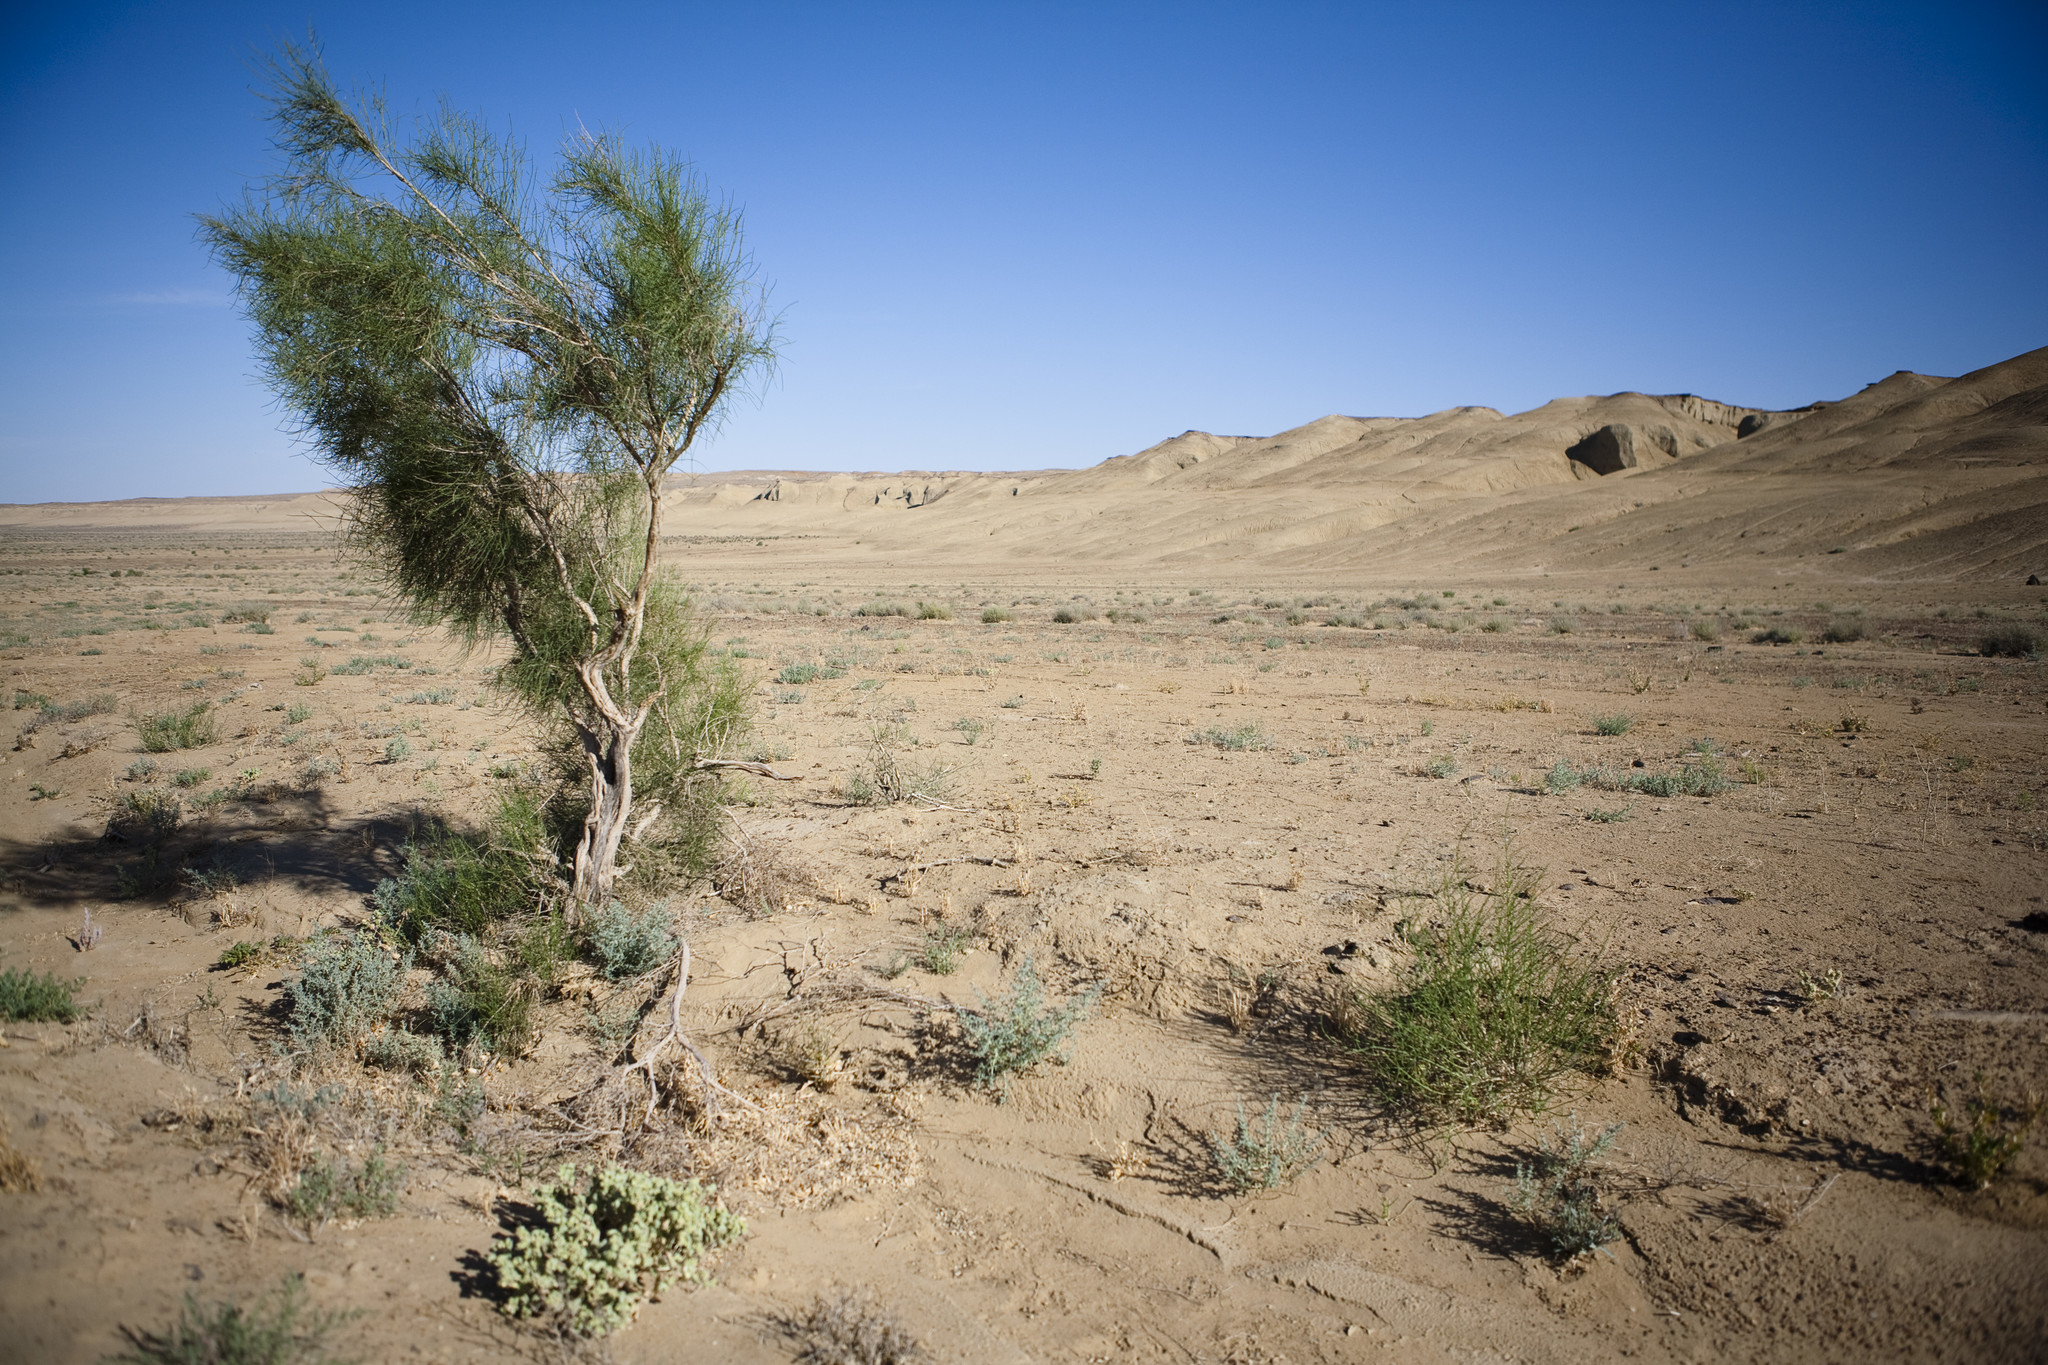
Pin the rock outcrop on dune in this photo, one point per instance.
(1916, 475)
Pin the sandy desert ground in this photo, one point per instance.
(1304, 675)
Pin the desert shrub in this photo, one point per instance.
(253, 613)
(1563, 625)
(940, 952)
(348, 983)
(1068, 616)
(1243, 738)
(165, 731)
(995, 615)
(1845, 629)
(1705, 775)
(934, 611)
(851, 1328)
(1561, 1192)
(29, 998)
(1268, 1155)
(1498, 1015)
(1705, 629)
(148, 817)
(799, 674)
(2015, 642)
(596, 1247)
(885, 775)
(192, 777)
(238, 954)
(1620, 723)
(48, 712)
(1978, 1143)
(467, 881)
(1439, 768)
(338, 1189)
(480, 999)
(627, 944)
(1778, 635)
(410, 1053)
(278, 1329)
(1016, 1031)
(882, 609)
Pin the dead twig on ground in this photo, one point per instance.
(744, 765)
(675, 1034)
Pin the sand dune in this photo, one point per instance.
(1916, 475)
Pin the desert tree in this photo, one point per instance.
(503, 364)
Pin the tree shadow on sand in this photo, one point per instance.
(148, 852)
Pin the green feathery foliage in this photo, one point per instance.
(504, 367)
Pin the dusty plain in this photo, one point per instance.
(1216, 793)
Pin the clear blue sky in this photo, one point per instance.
(1014, 236)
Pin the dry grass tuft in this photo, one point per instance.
(20, 1173)
(851, 1328)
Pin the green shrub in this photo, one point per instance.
(1561, 1192)
(29, 998)
(278, 1329)
(1845, 629)
(467, 882)
(1243, 738)
(1620, 723)
(48, 712)
(595, 1248)
(628, 944)
(165, 731)
(348, 983)
(1499, 1013)
(240, 953)
(940, 951)
(799, 674)
(2015, 642)
(192, 777)
(480, 999)
(995, 616)
(1778, 635)
(298, 713)
(1269, 1155)
(934, 611)
(882, 609)
(332, 1189)
(1561, 778)
(1977, 1144)
(1439, 768)
(1015, 1032)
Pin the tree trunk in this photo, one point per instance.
(611, 806)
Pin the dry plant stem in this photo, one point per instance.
(675, 1034)
(745, 766)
